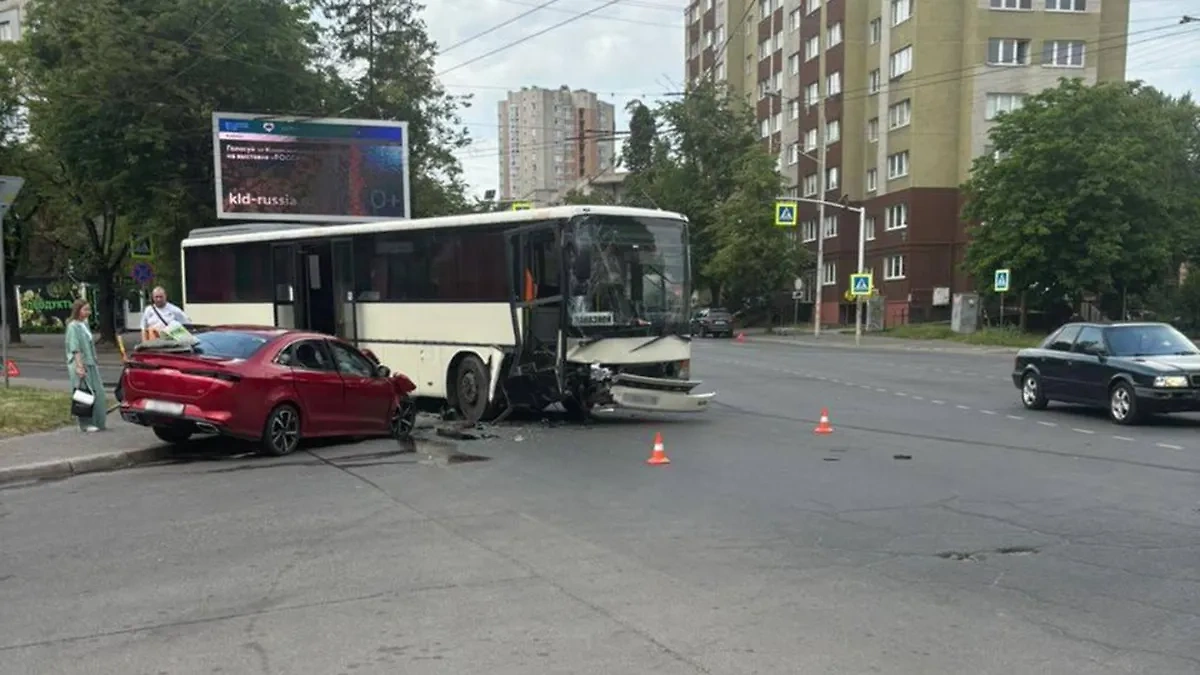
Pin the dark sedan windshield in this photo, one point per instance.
(1153, 340)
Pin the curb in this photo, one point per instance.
(884, 347)
(65, 468)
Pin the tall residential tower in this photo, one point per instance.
(910, 89)
(551, 139)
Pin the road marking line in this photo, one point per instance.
(1082, 431)
(900, 393)
(1014, 417)
(1047, 424)
(963, 407)
(987, 412)
(1168, 446)
(882, 391)
(919, 398)
(937, 402)
(1124, 438)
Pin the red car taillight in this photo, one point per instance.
(215, 374)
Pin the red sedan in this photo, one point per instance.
(268, 385)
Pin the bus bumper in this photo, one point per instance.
(654, 394)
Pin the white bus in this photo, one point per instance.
(580, 305)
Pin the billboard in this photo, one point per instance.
(310, 170)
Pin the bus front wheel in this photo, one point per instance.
(471, 387)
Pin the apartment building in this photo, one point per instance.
(550, 140)
(910, 89)
(11, 15)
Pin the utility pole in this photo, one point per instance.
(821, 187)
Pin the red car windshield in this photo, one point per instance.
(220, 344)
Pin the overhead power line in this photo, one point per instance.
(498, 26)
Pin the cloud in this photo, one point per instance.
(635, 49)
(631, 50)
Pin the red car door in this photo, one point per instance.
(369, 397)
(319, 386)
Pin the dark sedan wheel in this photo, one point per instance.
(1031, 392)
(1123, 404)
(404, 420)
(282, 433)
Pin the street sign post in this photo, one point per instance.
(860, 285)
(1000, 283)
(522, 206)
(141, 248)
(142, 273)
(785, 214)
(10, 186)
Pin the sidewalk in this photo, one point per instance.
(47, 348)
(844, 340)
(68, 452)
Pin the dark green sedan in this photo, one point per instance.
(1132, 369)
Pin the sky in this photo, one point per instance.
(634, 49)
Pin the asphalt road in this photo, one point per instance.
(1003, 545)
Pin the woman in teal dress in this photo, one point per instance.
(81, 362)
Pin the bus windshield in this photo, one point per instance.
(627, 272)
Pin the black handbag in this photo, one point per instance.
(83, 401)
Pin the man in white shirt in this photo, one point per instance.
(160, 314)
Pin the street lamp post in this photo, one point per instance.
(862, 244)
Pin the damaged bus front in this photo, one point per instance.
(625, 338)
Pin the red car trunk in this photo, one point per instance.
(182, 378)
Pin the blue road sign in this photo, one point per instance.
(860, 284)
(1002, 281)
(142, 273)
(785, 214)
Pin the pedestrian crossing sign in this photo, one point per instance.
(860, 284)
(785, 214)
(1001, 281)
(522, 206)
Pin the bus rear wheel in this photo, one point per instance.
(471, 387)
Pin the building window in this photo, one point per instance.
(901, 11)
(794, 20)
(794, 64)
(793, 153)
(812, 94)
(813, 5)
(835, 35)
(7, 34)
(812, 48)
(896, 217)
(764, 127)
(897, 165)
(875, 31)
(1002, 103)
(833, 84)
(869, 227)
(794, 109)
(900, 114)
(1007, 52)
(708, 38)
(764, 7)
(764, 88)
(872, 180)
(893, 267)
(831, 227)
(1013, 4)
(900, 62)
(873, 82)
(873, 130)
(764, 48)
(777, 42)
(810, 140)
(810, 185)
(777, 121)
(833, 179)
(829, 274)
(1066, 5)
(833, 131)
(1063, 53)
(808, 230)
(777, 81)
(721, 70)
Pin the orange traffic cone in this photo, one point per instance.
(823, 426)
(741, 337)
(659, 454)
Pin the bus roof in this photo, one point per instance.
(255, 232)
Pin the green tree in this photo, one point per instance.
(638, 153)
(754, 259)
(121, 93)
(1093, 191)
(387, 43)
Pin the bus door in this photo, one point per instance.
(345, 307)
(535, 281)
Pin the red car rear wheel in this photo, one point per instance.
(281, 435)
